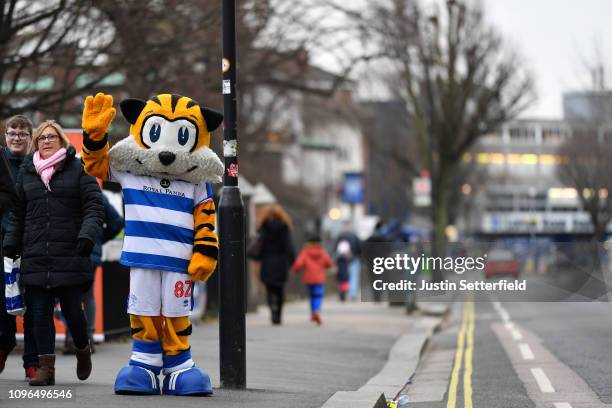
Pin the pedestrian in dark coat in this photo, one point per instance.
(277, 256)
(378, 236)
(8, 197)
(18, 138)
(53, 227)
(348, 251)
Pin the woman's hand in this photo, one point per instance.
(98, 113)
(10, 252)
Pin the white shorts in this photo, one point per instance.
(154, 292)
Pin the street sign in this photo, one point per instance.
(421, 187)
(353, 189)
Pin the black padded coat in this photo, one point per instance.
(45, 225)
(7, 185)
(277, 253)
(8, 197)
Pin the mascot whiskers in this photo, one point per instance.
(165, 168)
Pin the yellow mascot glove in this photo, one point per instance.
(98, 113)
(201, 267)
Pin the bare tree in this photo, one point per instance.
(167, 46)
(459, 78)
(45, 48)
(175, 46)
(586, 166)
(467, 179)
(156, 46)
(588, 169)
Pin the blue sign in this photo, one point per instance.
(354, 189)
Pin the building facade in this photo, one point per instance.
(522, 194)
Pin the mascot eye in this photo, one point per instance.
(155, 132)
(183, 135)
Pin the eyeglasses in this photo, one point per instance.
(47, 138)
(17, 135)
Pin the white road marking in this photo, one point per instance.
(516, 334)
(540, 376)
(526, 351)
(542, 380)
(502, 312)
(505, 316)
(558, 391)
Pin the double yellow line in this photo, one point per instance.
(465, 352)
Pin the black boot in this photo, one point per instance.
(83, 363)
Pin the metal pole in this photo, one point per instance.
(232, 333)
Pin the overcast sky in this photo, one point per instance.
(555, 38)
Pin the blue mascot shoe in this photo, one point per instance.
(136, 380)
(190, 381)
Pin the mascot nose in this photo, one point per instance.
(167, 158)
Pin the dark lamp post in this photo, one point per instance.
(232, 265)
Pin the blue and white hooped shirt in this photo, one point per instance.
(159, 220)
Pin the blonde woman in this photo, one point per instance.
(53, 227)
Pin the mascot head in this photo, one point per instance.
(170, 138)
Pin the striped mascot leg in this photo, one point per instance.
(140, 376)
(182, 377)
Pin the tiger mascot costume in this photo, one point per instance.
(165, 168)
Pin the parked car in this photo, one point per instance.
(501, 262)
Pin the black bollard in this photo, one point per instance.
(232, 307)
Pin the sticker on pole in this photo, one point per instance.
(227, 87)
(225, 65)
(230, 148)
(232, 171)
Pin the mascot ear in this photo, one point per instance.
(131, 109)
(213, 118)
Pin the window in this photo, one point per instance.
(522, 134)
(553, 135)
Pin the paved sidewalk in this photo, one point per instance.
(294, 365)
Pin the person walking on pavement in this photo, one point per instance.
(378, 236)
(314, 261)
(343, 259)
(8, 197)
(348, 238)
(53, 227)
(18, 137)
(113, 224)
(276, 255)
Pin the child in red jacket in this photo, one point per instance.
(314, 261)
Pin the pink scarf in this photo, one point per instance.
(46, 167)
